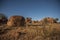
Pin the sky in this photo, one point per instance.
(36, 9)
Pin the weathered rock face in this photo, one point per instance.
(16, 21)
(48, 20)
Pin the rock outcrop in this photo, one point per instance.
(16, 21)
(48, 20)
(28, 20)
(51, 20)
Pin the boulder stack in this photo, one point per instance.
(48, 20)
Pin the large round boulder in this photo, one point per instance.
(16, 21)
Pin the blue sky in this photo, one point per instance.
(36, 9)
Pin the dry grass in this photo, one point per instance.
(44, 32)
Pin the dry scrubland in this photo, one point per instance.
(43, 32)
(19, 28)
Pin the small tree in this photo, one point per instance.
(56, 19)
(3, 18)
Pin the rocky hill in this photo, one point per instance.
(18, 29)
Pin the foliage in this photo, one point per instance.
(3, 19)
(2, 16)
